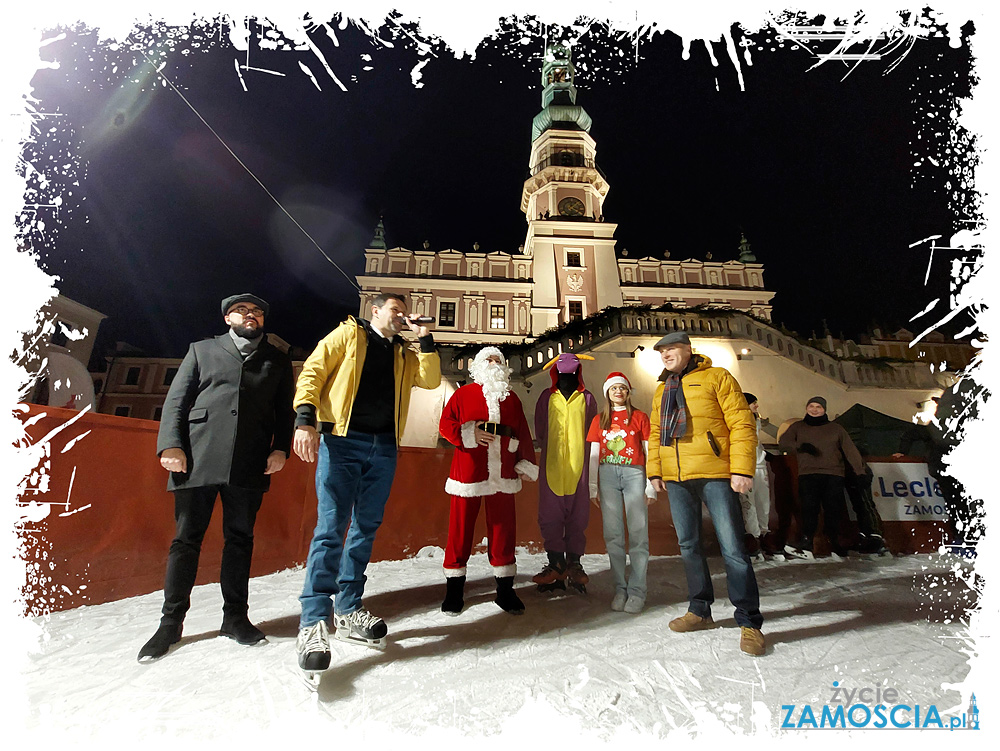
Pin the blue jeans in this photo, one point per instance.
(624, 487)
(353, 478)
(724, 508)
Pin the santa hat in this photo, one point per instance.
(614, 378)
(486, 352)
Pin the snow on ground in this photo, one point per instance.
(569, 660)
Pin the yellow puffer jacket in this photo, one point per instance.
(717, 414)
(330, 375)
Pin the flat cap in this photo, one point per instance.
(246, 297)
(674, 337)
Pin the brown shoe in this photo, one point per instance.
(752, 641)
(691, 622)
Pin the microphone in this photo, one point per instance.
(421, 319)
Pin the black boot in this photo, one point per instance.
(238, 627)
(155, 648)
(453, 600)
(506, 598)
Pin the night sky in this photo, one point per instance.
(818, 171)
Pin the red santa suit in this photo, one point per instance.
(485, 472)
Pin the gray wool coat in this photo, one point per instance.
(228, 414)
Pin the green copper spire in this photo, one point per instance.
(378, 242)
(746, 256)
(560, 109)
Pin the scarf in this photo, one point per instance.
(673, 408)
(821, 420)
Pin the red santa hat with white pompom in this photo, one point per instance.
(614, 378)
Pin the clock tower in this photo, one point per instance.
(572, 247)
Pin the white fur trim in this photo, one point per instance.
(483, 488)
(493, 454)
(453, 573)
(528, 469)
(469, 434)
(512, 445)
(509, 570)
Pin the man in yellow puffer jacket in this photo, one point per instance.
(702, 444)
(350, 410)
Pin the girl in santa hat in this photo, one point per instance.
(620, 438)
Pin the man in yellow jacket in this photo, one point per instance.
(702, 443)
(351, 403)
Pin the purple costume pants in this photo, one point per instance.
(563, 518)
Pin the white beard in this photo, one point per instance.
(495, 381)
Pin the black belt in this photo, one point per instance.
(497, 429)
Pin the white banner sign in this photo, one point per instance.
(905, 491)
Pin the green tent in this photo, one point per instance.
(878, 434)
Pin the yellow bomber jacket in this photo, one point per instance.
(330, 375)
(717, 414)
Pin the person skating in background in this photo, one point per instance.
(824, 450)
(871, 540)
(701, 450)
(619, 438)
(351, 405)
(756, 503)
(485, 422)
(226, 427)
(563, 413)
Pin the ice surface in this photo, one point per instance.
(569, 662)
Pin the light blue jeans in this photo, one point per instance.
(622, 488)
(353, 479)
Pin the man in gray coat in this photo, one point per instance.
(226, 426)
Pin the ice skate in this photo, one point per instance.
(313, 648)
(552, 577)
(361, 627)
(800, 553)
(769, 547)
(872, 546)
(576, 577)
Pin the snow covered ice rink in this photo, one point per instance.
(569, 663)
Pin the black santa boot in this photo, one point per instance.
(506, 598)
(453, 596)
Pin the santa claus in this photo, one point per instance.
(493, 451)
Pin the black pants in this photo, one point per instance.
(859, 492)
(826, 491)
(193, 511)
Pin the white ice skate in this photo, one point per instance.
(361, 627)
(313, 647)
(800, 553)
